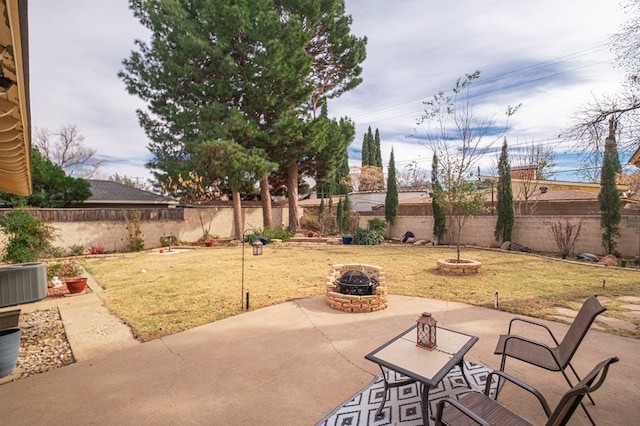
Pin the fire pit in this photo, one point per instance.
(356, 288)
(356, 282)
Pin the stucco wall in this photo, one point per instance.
(531, 231)
(112, 235)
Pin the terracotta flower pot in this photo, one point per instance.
(208, 243)
(76, 285)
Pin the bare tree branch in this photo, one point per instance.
(590, 126)
(65, 148)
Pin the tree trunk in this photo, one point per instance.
(265, 196)
(238, 224)
(292, 189)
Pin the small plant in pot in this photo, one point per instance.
(71, 274)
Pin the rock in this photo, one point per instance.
(587, 256)
(609, 260)
(519, 247)
(44, 345)
(506, 245)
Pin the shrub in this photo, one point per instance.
(96, 250)
(371, 236)
(28, 237)
(52, 270)
(134, 234)
(77, 249)
(54, 252)
(268, 234)
(378, 226)
(366, 237)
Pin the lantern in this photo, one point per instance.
(257, 247)
(426, 331)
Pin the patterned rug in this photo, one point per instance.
(403, 403)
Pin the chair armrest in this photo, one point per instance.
(528, 321)
(464, 410)
(521, 384)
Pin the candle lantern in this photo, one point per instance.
(257, 247)
(426, 331)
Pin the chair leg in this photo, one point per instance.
(578, 377)
(502, 363)
(581, 403)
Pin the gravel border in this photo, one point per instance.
(43, 345)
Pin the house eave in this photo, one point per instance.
(15, 120)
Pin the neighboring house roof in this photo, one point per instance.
(109, 192)
(15, 120)
(635, 158)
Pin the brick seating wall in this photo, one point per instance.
(352, 303)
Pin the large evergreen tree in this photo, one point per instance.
(241, 168)
(608, 198)
(252, 73)
(213, 70)
(391, 199)
(52, 188)
(439, 212)
(335, 69)
(330, 162)
(504, 205)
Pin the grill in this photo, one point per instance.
(357, 283)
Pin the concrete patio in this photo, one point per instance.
(290, 364)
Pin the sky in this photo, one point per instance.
(550, 56)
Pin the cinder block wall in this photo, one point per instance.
(112, 235)
(531, 231)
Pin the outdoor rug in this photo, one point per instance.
(403, 403)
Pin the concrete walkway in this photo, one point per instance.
(288, 364)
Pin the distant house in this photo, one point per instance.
(111, 194)
(635, 158)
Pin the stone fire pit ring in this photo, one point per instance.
(356, 303)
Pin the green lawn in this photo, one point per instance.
(159, 294)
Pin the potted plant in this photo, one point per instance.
(71, 274)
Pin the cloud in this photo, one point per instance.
(548, 55)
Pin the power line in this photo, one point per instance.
(496, 78)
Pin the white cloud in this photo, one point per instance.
(548, 55)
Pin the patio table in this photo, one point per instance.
(427, 367)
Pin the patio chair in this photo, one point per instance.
(480, 408)
(556, 358)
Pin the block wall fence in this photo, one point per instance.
(106, 227)
(531, 231)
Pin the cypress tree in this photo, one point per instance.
(376, 159)
(608, 198)
(391, 199)
(439, 213)
(346, 209)
(366, 148)
(504, 205)
(340, 215)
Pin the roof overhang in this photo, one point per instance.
(15, 120)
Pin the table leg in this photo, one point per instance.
(387, 386)
(464, 376)
(424, 391)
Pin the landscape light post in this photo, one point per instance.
(257, 251)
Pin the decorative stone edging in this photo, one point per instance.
(463, 267)
(352, 303)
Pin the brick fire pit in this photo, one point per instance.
(356, 303)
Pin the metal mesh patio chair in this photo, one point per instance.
(556, 358)
(480, 408)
